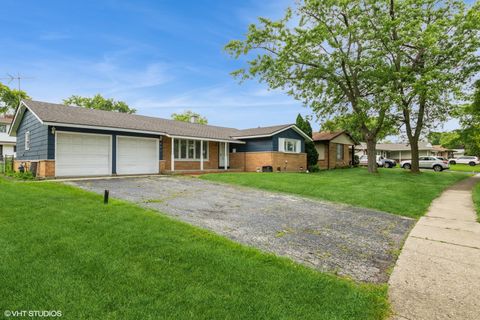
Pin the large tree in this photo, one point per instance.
(349, 122)
(100, 103)
(432, 46)
(189, 116)
(10, 98)
(310, 150)
(325, 54)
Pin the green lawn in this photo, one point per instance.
(476, 199)
(464, 168)
(395, 191)
(62, 249)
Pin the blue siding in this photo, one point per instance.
(39, 141)
(267, 143)
(289, 134)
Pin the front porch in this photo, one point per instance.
(194, 156)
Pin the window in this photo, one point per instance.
(27, 140)
(190, 149)
(3, 128)
(340, 151)
(289, 145)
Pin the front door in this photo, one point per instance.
(221, 155)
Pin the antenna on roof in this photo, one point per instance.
(18, 77)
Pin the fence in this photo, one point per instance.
(6, 164)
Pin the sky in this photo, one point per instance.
(160, 57)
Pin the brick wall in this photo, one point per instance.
(330, 161)
(237, 160)
(45, 168)
(256, 160)
(211, 163)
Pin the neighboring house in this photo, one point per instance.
(7, 143)
(335, 149)
(397, 151)
(458, 153)
(55, 140)
(440, 151)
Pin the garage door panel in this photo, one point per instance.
(137, 155)
(82, 154)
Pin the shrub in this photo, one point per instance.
(314, 168)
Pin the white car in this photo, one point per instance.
(470, 160)
(381, 161)
(427, 163)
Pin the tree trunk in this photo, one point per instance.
(372, 155)
(414, 151)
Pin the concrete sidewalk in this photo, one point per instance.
(437, 275)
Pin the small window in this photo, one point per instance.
(3, 128)
(291, 145)
(27, 140)
(340, 151)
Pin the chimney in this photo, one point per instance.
(193, 119)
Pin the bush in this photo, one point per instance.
(314, 168)
(21, 175)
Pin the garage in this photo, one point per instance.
(137, 155)
(82, 154)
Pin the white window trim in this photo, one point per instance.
(27, 139)
(194, 159)
(296, 142)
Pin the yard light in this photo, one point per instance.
(105, 196)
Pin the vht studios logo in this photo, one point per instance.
(32, 313)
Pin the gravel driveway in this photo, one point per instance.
(349, 241)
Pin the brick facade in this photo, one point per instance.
(210, 164)
(280, 161)
(330, 160)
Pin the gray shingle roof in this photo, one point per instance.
(62, 114)
(397, 146)
(261, 131)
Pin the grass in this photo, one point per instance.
(465, 168)
(62, 249)
(394, 191)
(476, 199)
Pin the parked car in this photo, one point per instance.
(381, 161)
(470, 160)
(427, 163)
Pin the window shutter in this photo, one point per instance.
(299, 146)
(281, 144)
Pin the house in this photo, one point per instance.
(440, 151)
(397, 151)
(335, 149)
(55, 140)
(7, 143)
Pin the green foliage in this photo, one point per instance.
(62, 248)
(10, 98)
(188, 115)
(355, 186)
(433, 48)
(314, 168)
(326, 55)
(310, 150)
(434, 137)
(476, 199)
(100, 103)
(20, 175)
(470, 123)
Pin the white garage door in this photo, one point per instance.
(137, 155)
(82, 154)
